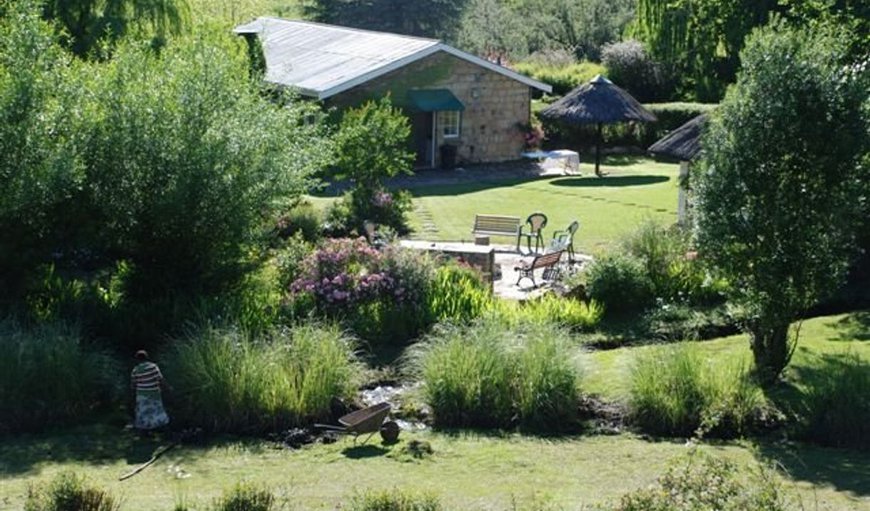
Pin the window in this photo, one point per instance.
(448, 123)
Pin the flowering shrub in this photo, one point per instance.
(380, 295)
(343, 272)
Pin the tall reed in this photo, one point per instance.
(228, 381)
(491, 374)
(675, 391)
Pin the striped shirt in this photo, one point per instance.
(146, 377)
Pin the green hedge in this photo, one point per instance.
(562, 78)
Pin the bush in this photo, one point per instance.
(246, 497)
(228, 381)
(710, 483)
(563, 78)
(674, 391)
(675, 276)
(380, 295)
(48, 375)
(302, 218)
(457, 294)
(395, 500)
(348, 215)
(169, 161)
(69, 492)
(630, 67)
(620, 283)
(492, 375)
(838, 402)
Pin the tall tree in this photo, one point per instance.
(700, 40)
(781, 185)
(87, 24)
(432, 18)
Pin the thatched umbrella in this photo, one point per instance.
(597, 102)
(684, 144)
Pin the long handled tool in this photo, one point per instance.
(160, 451)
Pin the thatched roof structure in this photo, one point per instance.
(684, 143)
(597, 102)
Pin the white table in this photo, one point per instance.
(569, 161)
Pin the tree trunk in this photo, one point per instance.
(771, 349)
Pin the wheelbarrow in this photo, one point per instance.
(368, 420)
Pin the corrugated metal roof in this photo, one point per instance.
(323, 60)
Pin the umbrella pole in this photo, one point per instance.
(598, 152)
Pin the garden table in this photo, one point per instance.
(569, 160)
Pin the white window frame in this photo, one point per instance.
(452, 120)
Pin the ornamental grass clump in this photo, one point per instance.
(246, 497)
(489, 374)
(50, 375)
(228, 381)
(394, 500)
(676, 392)
(70, 492)
(545, 385)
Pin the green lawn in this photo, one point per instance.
(468, 471)
(635, 189)
(607, 372)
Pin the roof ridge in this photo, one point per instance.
(349, 29)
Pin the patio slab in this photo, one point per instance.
(503, 261)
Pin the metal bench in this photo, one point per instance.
(497, 225)
(547, 261)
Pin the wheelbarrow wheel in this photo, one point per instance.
(389, 432)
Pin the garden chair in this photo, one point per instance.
(564, 239)
(534, 228)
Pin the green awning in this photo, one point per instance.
(434, 100)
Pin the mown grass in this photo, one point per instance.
(467, 471)
(635, 189)
(606, 372)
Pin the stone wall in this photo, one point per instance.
(494, 103)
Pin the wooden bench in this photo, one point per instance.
(546, 261)
(497, 225)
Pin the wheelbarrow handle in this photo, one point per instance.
(331, 427)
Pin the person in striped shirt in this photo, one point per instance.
(147, 382)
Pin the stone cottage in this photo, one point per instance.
(461, 107)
